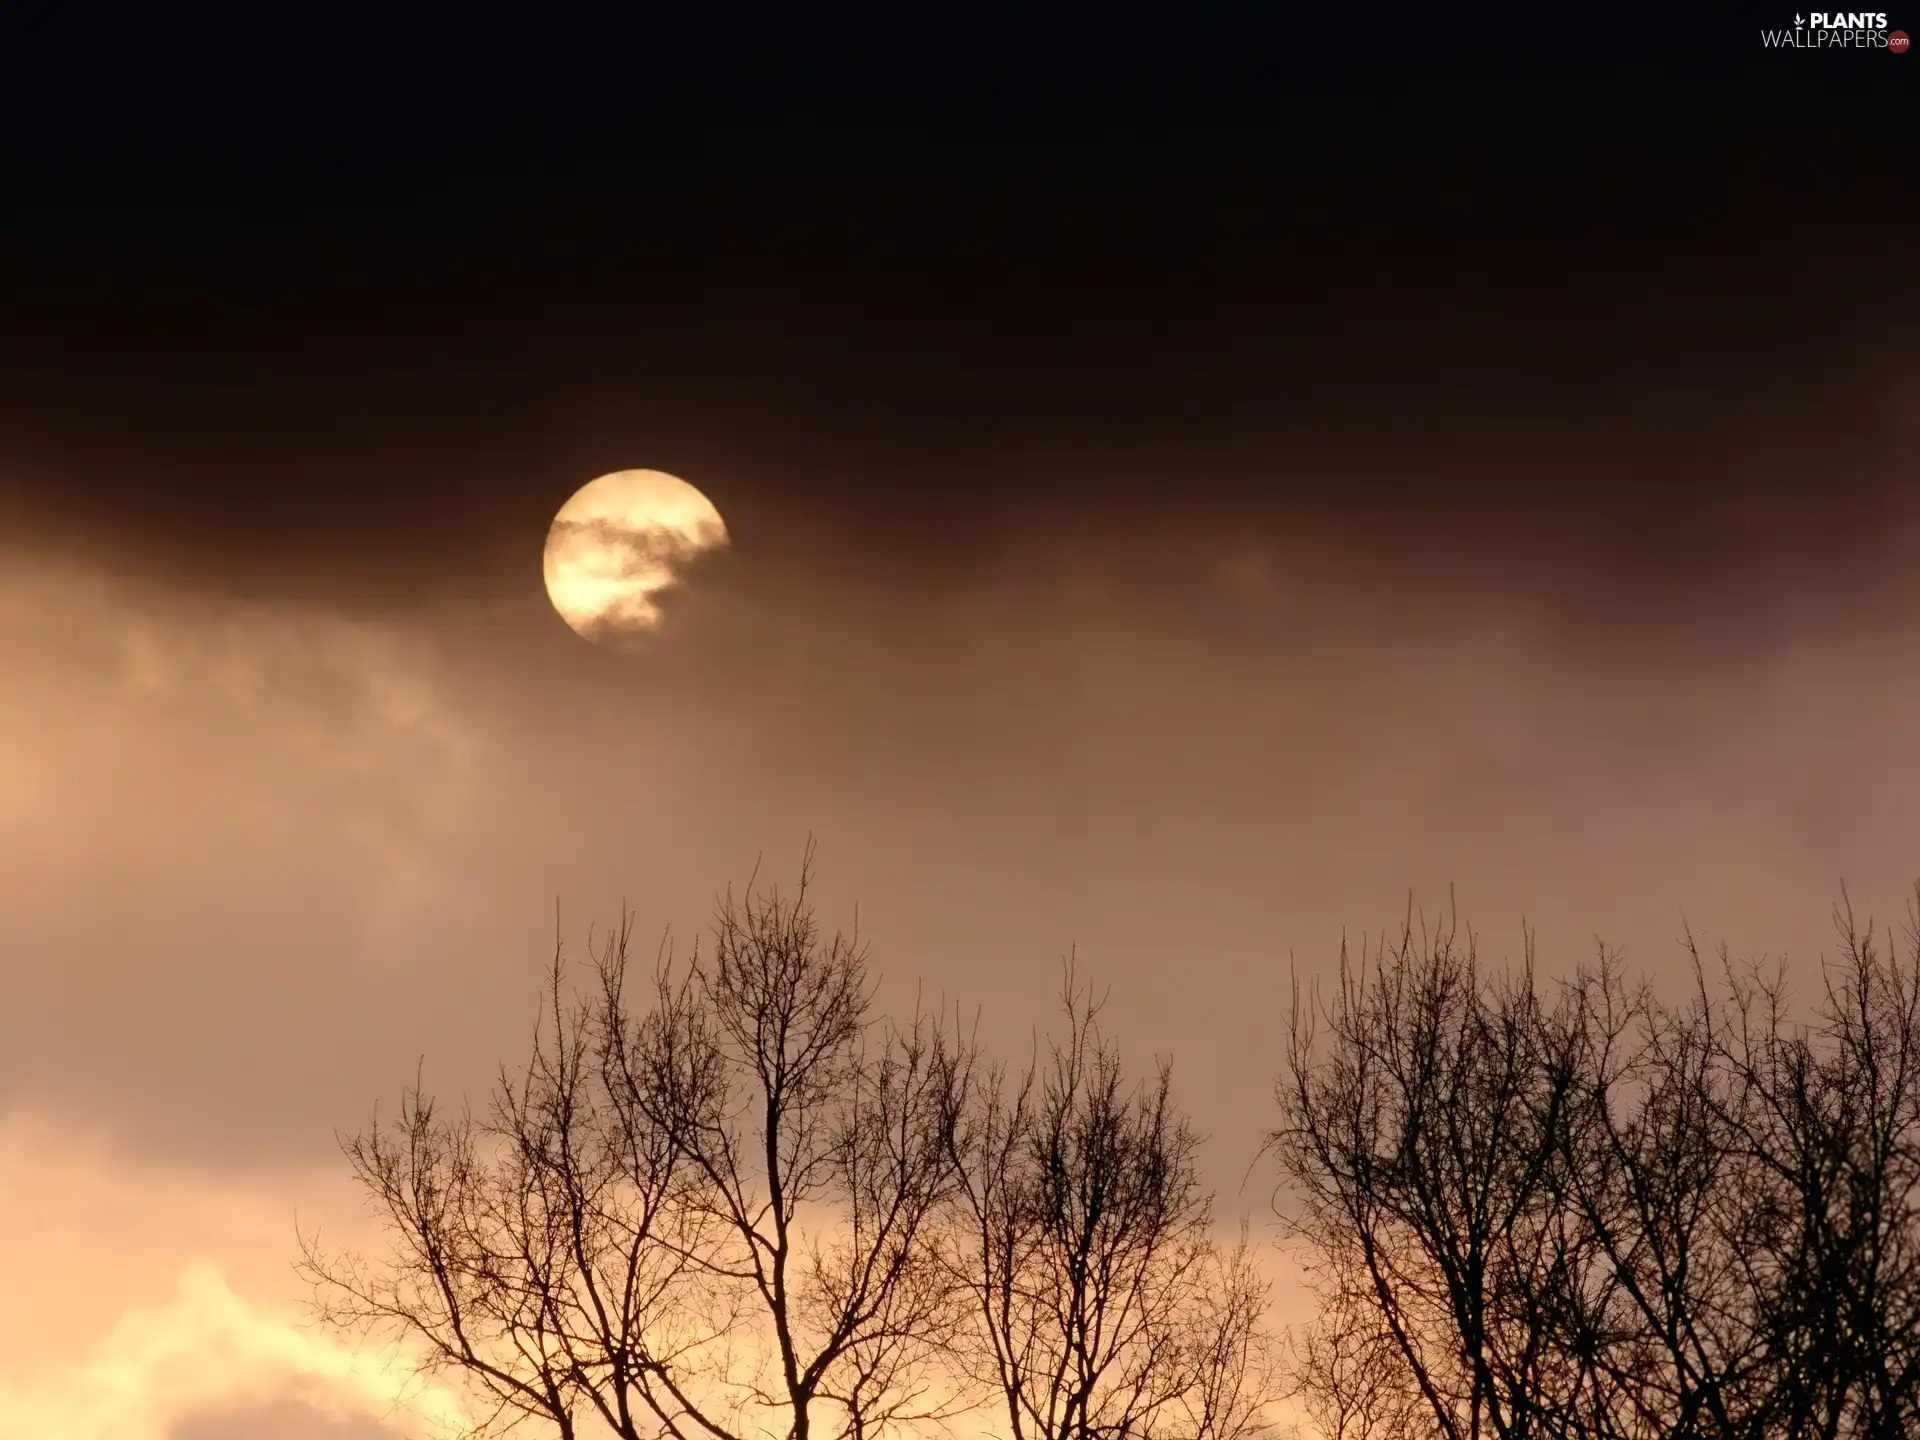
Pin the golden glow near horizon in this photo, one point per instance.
(619, 543)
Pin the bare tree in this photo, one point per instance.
(822, 1145)
(1650, 1167)
(1607, 1216)
(1105, 1306)
(1343, 1369)
(1826, 1128)
(542, 1252)
(1420, 1147)
(705, 1220)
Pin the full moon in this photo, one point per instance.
(619, 544)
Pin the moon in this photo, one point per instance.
(621, 543)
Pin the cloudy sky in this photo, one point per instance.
(1187, 499)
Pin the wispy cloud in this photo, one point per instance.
(114, 678)
(210, 1349)
(141, 1292)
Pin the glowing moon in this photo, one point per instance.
(621, 542)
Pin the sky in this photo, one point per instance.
(1193, 494)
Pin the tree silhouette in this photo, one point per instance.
(1104, 1303)
(706, 1219)
(1582, 1212)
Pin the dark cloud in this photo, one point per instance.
(1134, 511)
(1608, 331)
